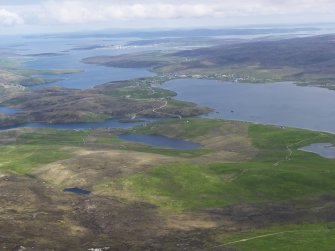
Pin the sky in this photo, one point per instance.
(37, 16)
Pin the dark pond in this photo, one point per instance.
(77, 191)
(325, 150)
(284, 104)
(160, 141)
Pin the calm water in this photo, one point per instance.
(77, 191)
(68, 58)
(279, 104)
(160, 141)
(6, 110)
(90, 74)
(325, 150)
(82, 126)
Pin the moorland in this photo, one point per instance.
(248, 187)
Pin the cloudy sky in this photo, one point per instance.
(31, 16)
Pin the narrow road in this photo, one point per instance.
(290, 152)
(163, 106)
(246, 239)
(262, 236)
(258, 237)
(155, 109)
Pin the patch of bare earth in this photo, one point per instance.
(255, 215)
(230, 143)
(37, 216)
(89, 166)
(32, 219)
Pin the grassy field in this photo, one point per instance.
(23, 158)
(53, 137)
(279, 172)
(182, 187)
(34, 148)
(185, 186)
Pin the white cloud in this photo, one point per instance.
(74, 12)
(8, 18)
(79, 12)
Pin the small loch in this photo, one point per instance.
(325, 150)
(160, 141)
(77, 190)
